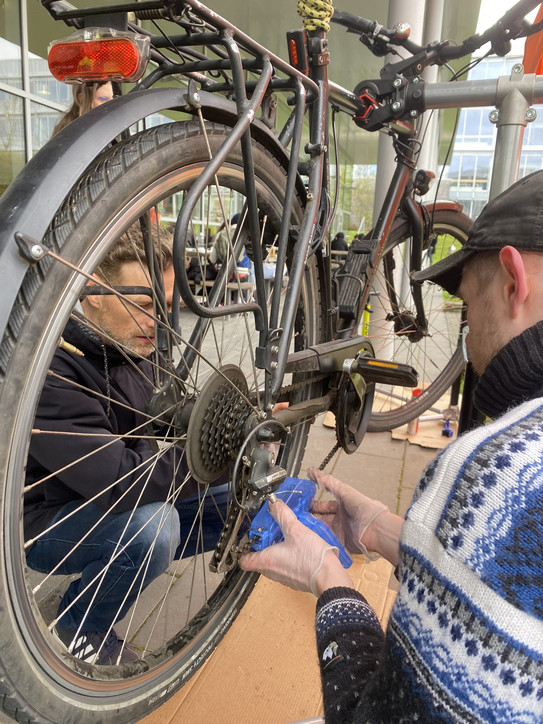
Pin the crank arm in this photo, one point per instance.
(328, 356)
(305, 409)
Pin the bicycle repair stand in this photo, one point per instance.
(512, 114)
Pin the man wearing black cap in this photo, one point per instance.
(465, 637)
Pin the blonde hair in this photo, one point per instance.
(130, 247)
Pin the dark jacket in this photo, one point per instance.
(339, 244)
(105, 396)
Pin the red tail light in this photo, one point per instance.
(95, 54)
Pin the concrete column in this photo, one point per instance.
(412, 12)
(433, 30)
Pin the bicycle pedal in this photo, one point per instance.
(385, 372)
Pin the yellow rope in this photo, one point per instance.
(316, 14)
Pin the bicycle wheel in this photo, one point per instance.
(175, 621)
(437, 356)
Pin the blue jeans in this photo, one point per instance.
(165, 531)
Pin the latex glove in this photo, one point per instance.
(297, 561)
(351, 515)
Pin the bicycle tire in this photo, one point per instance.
(39, 680)
(437, 358)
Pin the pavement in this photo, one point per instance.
(252, 678)
(384, 468)
(265, 668)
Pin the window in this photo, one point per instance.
(30, 98)
(12, 144)
(469, 171)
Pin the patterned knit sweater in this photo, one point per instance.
(465, 639)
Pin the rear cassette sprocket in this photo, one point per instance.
(219, 424)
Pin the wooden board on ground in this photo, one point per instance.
(265, 669)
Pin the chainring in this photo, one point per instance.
(219, 424)
(355, 402)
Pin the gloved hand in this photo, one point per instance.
(297, 561)
(350, 516)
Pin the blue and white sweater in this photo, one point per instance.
(465, 638)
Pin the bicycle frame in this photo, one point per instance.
(23, 201)
(222, 423)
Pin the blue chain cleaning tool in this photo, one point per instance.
(299, 495)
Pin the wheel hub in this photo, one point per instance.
(406, 325)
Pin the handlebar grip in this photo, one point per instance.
(518, 11)
(355, 22)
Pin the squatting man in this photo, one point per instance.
(100, 501)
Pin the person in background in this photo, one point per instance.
(86, 97)
(465, 638)
(339, 243)
(221, 251)
(223, 243)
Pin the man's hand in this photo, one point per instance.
(303, 561)
(357, 520)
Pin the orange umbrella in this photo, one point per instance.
(533, 50)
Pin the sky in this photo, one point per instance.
(492, 10)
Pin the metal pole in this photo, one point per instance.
(398, 11)
(512, 114)
(433, 24)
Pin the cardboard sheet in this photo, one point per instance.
(265, 670)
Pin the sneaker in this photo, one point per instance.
(88, 644)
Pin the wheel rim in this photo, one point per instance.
(27, 606)
(437, 358)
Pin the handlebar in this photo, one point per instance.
(379, 39)
(374, 30)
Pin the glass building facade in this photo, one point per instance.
(31, 100)
(470, 166)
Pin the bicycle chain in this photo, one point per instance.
(303, 383)
(227, 550)
(330, 455)
(297, 385)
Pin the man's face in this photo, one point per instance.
(133, 327)
(485, 337)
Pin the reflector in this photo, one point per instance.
(95, 54)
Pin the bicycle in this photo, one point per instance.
(238, 383)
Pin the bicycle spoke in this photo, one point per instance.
(433, 351)
(170, 396)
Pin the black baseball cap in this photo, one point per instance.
(513, 218)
